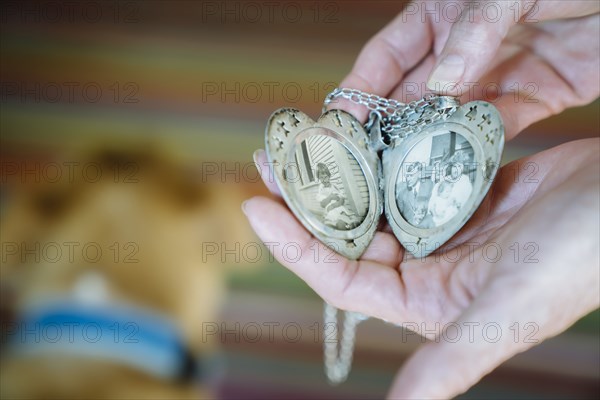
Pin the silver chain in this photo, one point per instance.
(389, 120)
(393, 119)
(339, 352)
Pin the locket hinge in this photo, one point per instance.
(383, 130)
(377, 141)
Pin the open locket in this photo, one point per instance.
(430, 182)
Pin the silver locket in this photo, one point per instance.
(439, 159)
(438, 162)
(328, 176)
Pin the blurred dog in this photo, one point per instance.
(105, 274)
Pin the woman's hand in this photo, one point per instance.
(529, 256)
(532, 59)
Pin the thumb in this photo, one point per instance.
(471, 45)
(464, 351)
(456, 359)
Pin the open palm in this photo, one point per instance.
(515, 262)
(518, 272)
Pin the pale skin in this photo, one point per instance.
(558, 210)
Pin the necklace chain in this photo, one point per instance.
(389, 120)
(393, 119)
(339, 352)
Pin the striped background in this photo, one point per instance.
(196, 77)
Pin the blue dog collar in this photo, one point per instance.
(128, 335)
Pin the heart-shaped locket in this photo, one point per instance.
(439, 160)
(433, 178)
(328, 176)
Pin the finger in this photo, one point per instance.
(386, 58)
(384, 249)
(266, 171)
(413, 86)
(464, 351)
(475, 38)
(513, 87)
(548, 10)
(523, 85)
(471, 46)
(364, 286)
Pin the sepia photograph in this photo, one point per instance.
(435, 180)
(189, 187)
(330, 182)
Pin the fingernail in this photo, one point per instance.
(447, 74)
(255, 156)
(244, 206)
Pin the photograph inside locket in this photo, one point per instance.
(435, 180)
(330, 182)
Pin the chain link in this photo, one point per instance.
(339, 352)
(397, 119)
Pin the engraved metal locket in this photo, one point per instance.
(437, 166)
